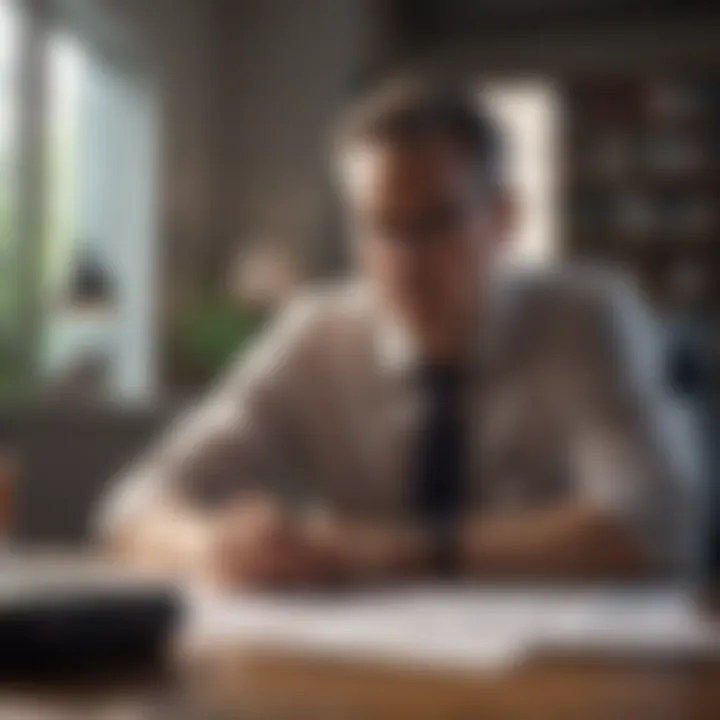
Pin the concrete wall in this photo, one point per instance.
(285, 66)
(249, 90)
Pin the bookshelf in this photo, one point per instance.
(641, 183)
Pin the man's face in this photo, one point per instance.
(426, 230)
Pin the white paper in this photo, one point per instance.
(463, 627)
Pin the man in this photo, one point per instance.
(434, 417)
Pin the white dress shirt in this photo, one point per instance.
(563, 403)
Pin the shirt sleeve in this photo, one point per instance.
(234, 440)
(634, 448)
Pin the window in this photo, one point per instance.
(77, 182)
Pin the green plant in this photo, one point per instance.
(212, 332)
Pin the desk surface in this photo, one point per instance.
(234, 682)
(230, 683)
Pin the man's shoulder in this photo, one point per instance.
(565, 290)
(321, 307)
(580, 306)
(323, 314)
(308, 330)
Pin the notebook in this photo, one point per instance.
(473, 628)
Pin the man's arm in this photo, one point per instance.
(570, 542)
(629, 514)
(173, 506)
(165, 539)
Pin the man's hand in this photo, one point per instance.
(258, 544)
(365, 552)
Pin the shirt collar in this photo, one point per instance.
(397, 353)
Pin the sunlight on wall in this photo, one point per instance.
(529, 114)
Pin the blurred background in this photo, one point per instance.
(164, 186)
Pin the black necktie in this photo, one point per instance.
(440, 477)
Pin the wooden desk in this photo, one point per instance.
(235, 684)
(300, 688)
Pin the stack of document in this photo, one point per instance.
(459, 628)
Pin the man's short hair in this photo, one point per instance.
(409, 110)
